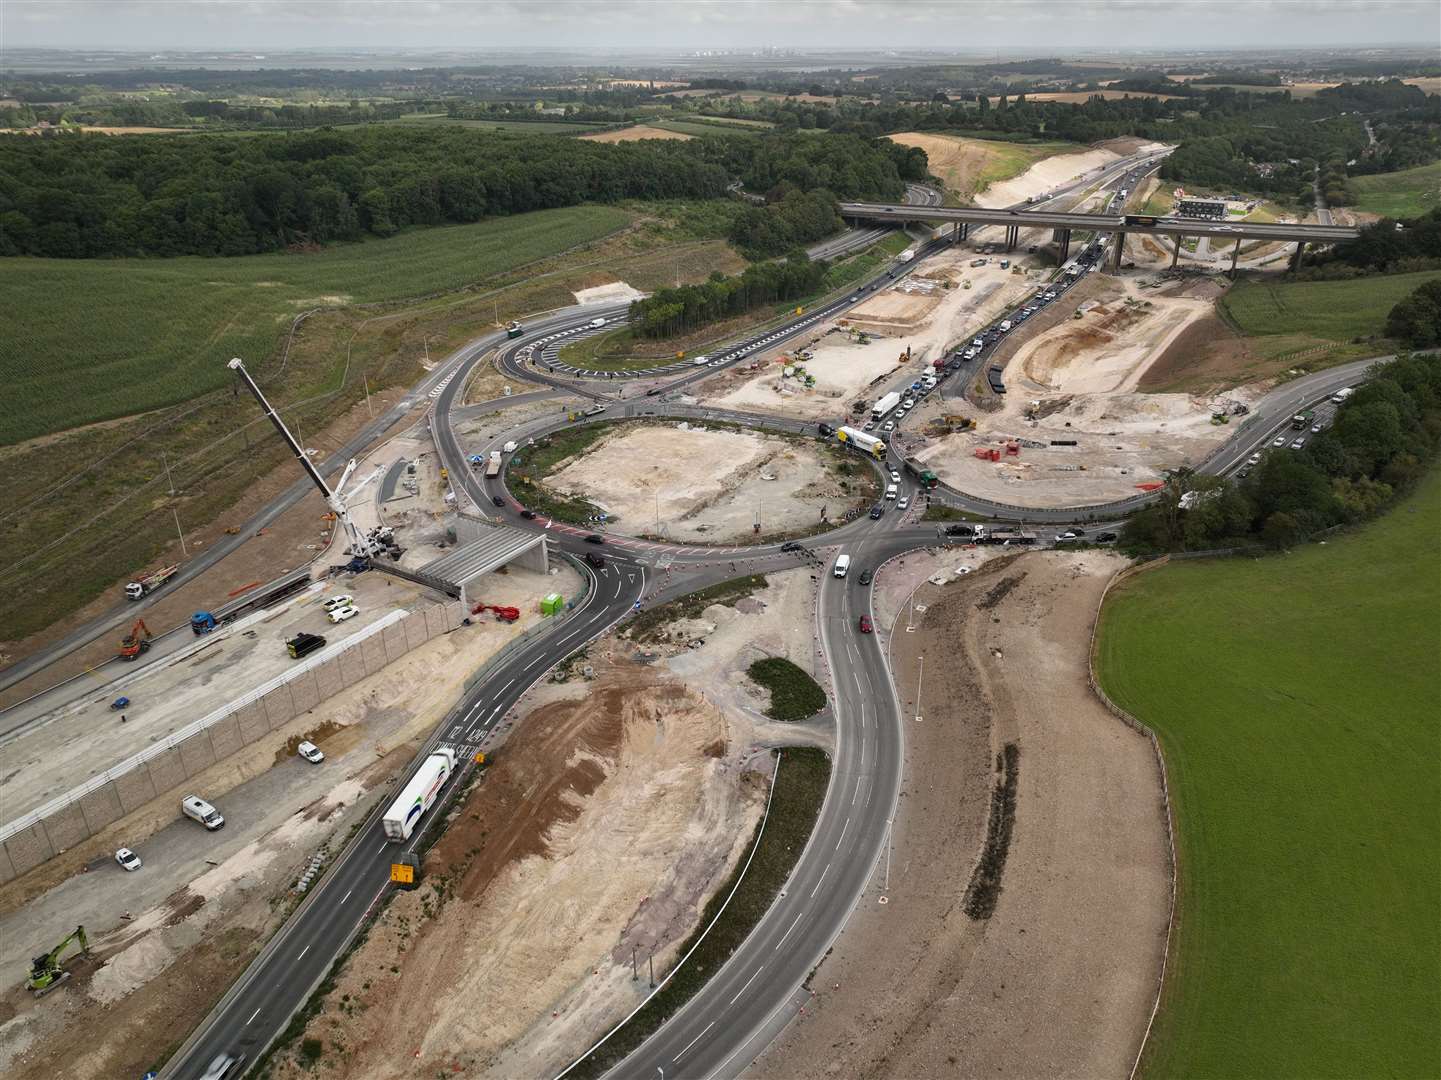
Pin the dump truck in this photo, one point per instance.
(1302, 420)
(492, 465)
(861, 441)
(46, 972)
(885, 405)
(418, 796)
(144, 586)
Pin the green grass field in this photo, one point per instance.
(700, 128)
(123, 336)
(515, 127)
(1304, 316)
(1295, 698)
(1405, 194)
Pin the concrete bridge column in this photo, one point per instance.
(1119, 237)
(1176, 255)
(965, 229)
(1235, 257)
(1013, 234)
(1063, 237)
(1300, 254)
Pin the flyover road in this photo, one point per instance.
(857, 239)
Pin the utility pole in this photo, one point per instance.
(168, 478)
(366, 381)
(887, 886)
(920, 670)
(180, 532)
(634, 974)
(652, 969)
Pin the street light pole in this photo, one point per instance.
(920, 670)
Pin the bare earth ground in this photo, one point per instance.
(1081, 378)
(1059, 980)
(845, 370)
(692, 483)
(631, 134)
(612, 811)
(204, 903)
(1044, 175)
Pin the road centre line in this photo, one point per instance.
(787, 934)
(817, 889)
(747, 986)
(693, 1042)
(346, 897)
(844, 827)
(253, 1016)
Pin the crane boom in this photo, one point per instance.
(359, 545)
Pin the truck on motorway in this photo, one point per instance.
(492, 465)
(885, 405)
(418, 796)
(906, 256)
(1302, 420)
(513, 329)
(1341, 395)
(144, 586)
(861, 441)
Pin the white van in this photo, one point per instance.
(596, 324)
(843, 563)
(890, 491)
(701, 361)
(193, 806)
(1005, 326)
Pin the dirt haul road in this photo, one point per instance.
(1059, 979)
(845, 370)
(692, 483)
(614, 809)
(1076, 382)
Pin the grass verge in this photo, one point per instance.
(1294, 700)
(800, 788)
(937, 512)
(1405, 194)
(794, 694)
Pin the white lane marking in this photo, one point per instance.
(844, 827)
(253, 1016)
(303, 952)
(817, 889)
(381, 848)
(346, 897)
(787, 934)
(747, 986)
(693, 1042)
(504, 688)
(857, 795)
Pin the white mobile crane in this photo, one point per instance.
(361, 545)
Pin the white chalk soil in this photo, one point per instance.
(614, 293)
(845, 371)
(1078, 380)
(688, 482)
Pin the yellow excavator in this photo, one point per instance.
(47, 972)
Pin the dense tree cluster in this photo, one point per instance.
(90, 196)
(670, 312)
(793, 221)
(1386, 246)
(1416, 320)
(1383, 439)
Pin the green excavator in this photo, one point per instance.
(46, 972)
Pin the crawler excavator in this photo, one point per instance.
(46, 972)
(135, 642)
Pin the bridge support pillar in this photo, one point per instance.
(1235, 257)
(965, 227)
(1298, 256)
(1013, 234)
(1176, 255)
(1063, 238)
(1120, 242)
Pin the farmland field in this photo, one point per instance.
(1295, 701)
(1295, 316)
(127, 335)
(516, 127)
(1405, 194)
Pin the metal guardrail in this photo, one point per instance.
(111, 774)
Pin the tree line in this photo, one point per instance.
(1383, 247)
(1416, 319)
(79, 196)
(1381, 442)
(671, 312)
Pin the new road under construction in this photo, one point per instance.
(519, 682)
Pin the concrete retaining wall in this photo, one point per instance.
(166, 770)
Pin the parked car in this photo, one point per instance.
(343, 600)
(340, 614)
(865, 624)
(594, 538)
(127, 859)
(310, 752)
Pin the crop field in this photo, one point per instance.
(91, 340)
(1405, 194)
(1296, 316)
(516, 127)
(1295, 701)
(699, 128)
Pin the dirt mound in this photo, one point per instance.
(958, 162)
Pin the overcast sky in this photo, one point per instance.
(1041, 25)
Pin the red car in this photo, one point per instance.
(865, 624)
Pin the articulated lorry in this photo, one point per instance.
(418, 796)
(885, 405)
(861, 441)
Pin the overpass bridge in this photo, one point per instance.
(1064, 223)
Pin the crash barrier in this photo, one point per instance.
(85, 810)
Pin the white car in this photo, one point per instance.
(127, 859)
(895, 476)
(310, 752)
(1279, 440)
(1254, 459)
(905, 501)
(889, 425)
(340, 601)
(340, 614)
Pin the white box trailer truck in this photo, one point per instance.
(885, 405)
(861, 441)
(418, 796)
